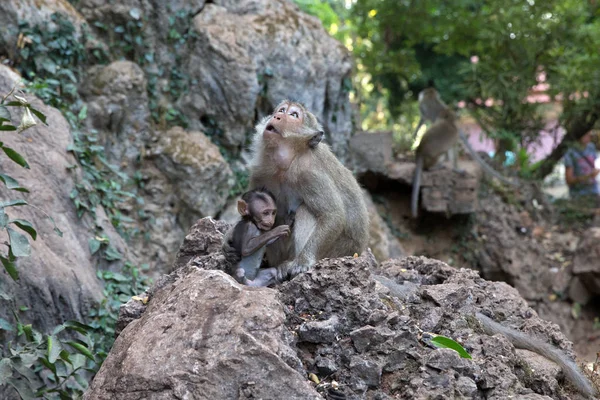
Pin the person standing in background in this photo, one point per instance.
(580, 170)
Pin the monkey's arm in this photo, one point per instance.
(484, 165)
(523, 341)
(255, 240)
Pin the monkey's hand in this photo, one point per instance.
(290, 218)
(290, 269)
(240, 276)
(282, 231)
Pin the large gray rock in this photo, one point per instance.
(200, 176)
(58, 281)
(586, 263)
(211, 339)
(382, 242)
(252, 54)
(241, 59)
(360, 335)
(118, 109)
(34, 12)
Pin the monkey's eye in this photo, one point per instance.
(282, 109)
(294, 114)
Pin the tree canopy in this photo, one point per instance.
(491, 55)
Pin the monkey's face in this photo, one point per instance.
(287, 119)
(263, 213)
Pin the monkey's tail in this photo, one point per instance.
(486, 166)
(522, 341)
(414, 203)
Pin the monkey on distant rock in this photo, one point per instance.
(291, 161)
(245, 244)
(437, 140)
(431, 106)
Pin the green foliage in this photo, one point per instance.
(61, 363)
(472, 52)
(18, 243)
(118, 289)
(54, 59)
(447, 343)
(47, 366)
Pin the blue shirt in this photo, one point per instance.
(582, 162)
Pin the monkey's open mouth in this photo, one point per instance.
(271, 129)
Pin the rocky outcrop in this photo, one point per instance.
(382, 242)
(34, 12)
(586, 267)
(58, 281)
(118, 108)
(240, 60)
(348, 328)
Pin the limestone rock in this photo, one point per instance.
(35, 12)
(197, 170)
(382, 241)
(243, 58)
(443, 190)
(372, 151)
(229, 342)
(58, 281)
(586, 263)
(337, 321)
(251, 55)
(118, 108)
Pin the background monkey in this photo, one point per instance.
(437, 140)
(331, 216)
(430, 105)
(523, 341)
(245, 244)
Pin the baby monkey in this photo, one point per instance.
(246, 243)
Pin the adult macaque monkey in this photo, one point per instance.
(245, 244)
(430, 106)
(437, 140)
(290, 160)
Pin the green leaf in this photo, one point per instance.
(94, 245)
(19, 243)
(82, 349)
(16, 157)
(26, 226)
(112, 254)
(54, 348)
(11, 203)
(7, 127)
(82, 113)
(447, 343)
(79, 327)
(5, 325)
(22, 388)
(39, 114)
(28, 330)
(12, 183)
(10, 268)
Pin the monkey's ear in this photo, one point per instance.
(242, 208)
(315, 139)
